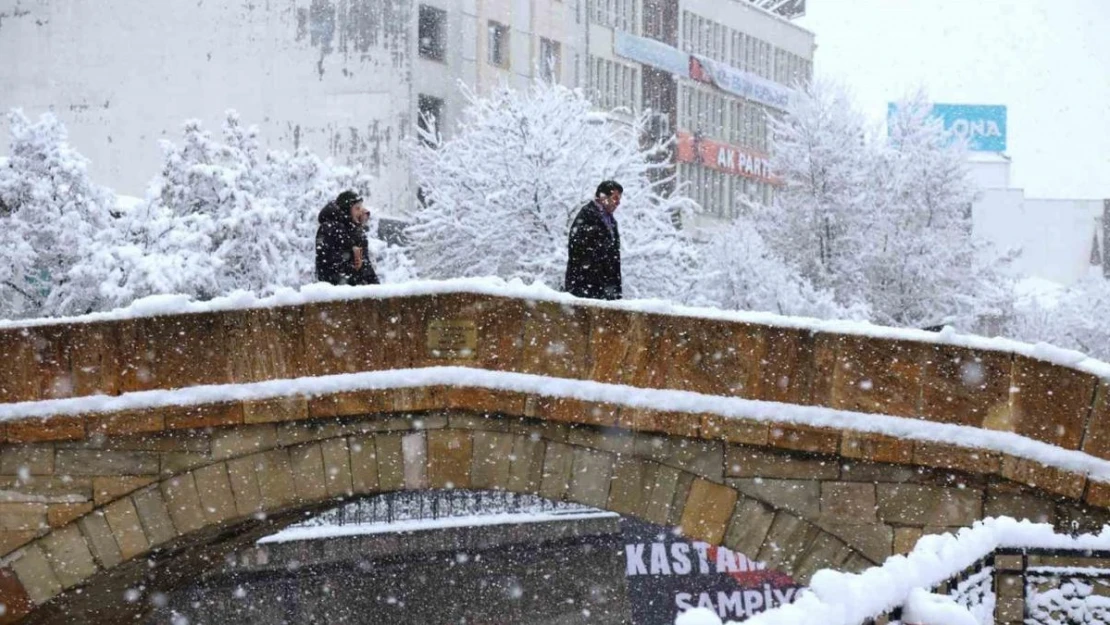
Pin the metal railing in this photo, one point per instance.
(1029, 586)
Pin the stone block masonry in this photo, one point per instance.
(90, 500)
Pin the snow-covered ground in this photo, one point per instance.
(317, 532)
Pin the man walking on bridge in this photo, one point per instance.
(594, 249)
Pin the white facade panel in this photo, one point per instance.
(1053, 239)
(991, 175)
(329, 76)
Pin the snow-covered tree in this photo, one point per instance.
(925, 268)
(501, 194)
(821, 217)
(1073, 319)
(52, 217)
(882, 220)
(741, 272)
(227, 215)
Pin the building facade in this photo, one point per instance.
(350, 79)
(711, 71)
(1016, 224)
(332, 76)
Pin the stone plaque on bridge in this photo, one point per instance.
(453, 338)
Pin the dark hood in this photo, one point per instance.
(333, 214)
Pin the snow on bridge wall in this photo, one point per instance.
(573, 402)
(330, 75)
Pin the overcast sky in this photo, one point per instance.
(1048, 61)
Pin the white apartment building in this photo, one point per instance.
(484, 43)
(349, 79)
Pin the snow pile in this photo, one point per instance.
(836, 598)
(654, 399)
(502, 193)
(319, 532)
(926, 608)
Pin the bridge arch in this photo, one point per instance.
(133, 418)
(266, 476)
(797, 512)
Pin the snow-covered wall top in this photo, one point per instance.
(836, 598)
(318, 293)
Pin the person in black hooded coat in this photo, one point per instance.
(342, 250)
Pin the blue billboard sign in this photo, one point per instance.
(984, 126)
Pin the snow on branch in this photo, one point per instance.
(837, 598)
(501, 193)
(885, 221)
(53, 217)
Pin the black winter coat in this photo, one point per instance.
(336, 239)
(594, 256)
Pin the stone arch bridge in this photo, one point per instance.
(138, 451)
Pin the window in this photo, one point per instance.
(619, 14)
(429, 114)
(433, 33)
(613, 85)
(498, 45)
(551, 64)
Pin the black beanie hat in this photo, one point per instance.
(347, 199)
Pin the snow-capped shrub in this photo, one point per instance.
(883, 220)
(52, 216)
(741, 272)
(225, 216)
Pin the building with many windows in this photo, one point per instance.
(710, 70)
(349, 79)
(714, 71)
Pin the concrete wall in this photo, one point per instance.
(330, 75)
(1054, 238)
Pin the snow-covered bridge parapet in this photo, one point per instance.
(140, 445)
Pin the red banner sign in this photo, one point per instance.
(724, 157)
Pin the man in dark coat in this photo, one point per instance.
(342, 250)
(594, 249)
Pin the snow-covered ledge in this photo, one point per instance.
(660, 400)
(159, 305)
(1030, 414)
(837, 598)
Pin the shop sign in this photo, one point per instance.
(724, 157)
